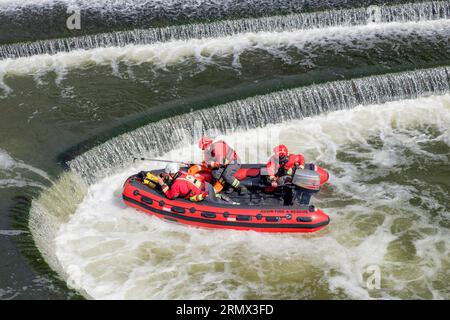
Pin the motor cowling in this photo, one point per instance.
(307, 179)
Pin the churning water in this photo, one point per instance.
(387, 200)
(362, 90)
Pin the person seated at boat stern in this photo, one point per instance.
(282, 165)
(183, 185)
(224, 163)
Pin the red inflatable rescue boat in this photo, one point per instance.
(263, 209)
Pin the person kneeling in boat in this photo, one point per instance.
(282, 165)
(186, 186)
(224, 163)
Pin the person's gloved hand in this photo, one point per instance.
(141, 175)
(298, 165)
(214, 164)
(161, 181)
(273, 181)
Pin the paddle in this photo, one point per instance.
(166, 161)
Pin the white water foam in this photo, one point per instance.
(109, 251)
(16, 173)
(162, 55)
(6, 161)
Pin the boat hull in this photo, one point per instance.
(272, 218)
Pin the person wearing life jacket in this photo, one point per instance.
(224, 163)
(282, 165)
(184, 185)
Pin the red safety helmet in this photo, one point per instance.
(281, 151)
(204, 142)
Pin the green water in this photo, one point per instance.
(388, 199)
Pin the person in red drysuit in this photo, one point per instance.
(282, 164)
(224, 162)
(186, 186)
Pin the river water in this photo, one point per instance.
(360, 87)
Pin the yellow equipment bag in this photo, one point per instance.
(151, 180)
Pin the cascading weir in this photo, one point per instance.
(347, 17)
(51, 15)
(45, 19)
(55, 205)
(260, 111)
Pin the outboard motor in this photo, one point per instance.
(306, 182)
(307, 179)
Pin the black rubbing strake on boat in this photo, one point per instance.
(146, 199)
(243, 218)
(208, 214)
(273, 219)
(178, 209)
(304, 219)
